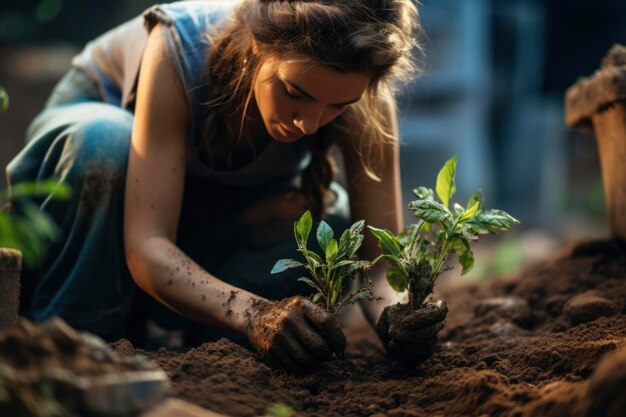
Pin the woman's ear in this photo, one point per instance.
(255, 46)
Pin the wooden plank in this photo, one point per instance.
(610, 129)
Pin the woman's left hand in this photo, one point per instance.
(411, 336)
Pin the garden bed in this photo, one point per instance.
(527, 345)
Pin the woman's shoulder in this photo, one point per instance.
(187, 23)
(190, 18)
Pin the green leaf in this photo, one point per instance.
(351, 240)
(467, 261)
(458, 209)
(387, 242)
(424, 193)
(445, 181)
(466, 232)
(396, 279)
(343, 263)
(324, 234)
(4, 100)
(406, 234)
(285, 264)
(310, 282)
(317, 296)
(311, 256)
(303, 229)
(331, 251)
(462, 249)
(470, 212)
(431, 212)
(53, 188)
(358, 265)
(357, 228)
(280, 410)
(491, 221)
(477, 197)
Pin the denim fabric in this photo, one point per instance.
(84, 278)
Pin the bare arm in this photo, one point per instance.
(380, 205)
(293, 333)
(154, 188)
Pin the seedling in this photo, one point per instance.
(418, 254)
(327, 275)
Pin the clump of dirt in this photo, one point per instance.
(411, 335)
(47, 369)
(527, 346)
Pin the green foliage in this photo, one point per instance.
(4, 100)
(280, 410)
(417, 255)
(29, 229)
(327, 274)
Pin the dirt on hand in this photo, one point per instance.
(409, 335)
(295, 333)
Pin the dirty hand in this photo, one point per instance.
(410, 336)
(295, 333)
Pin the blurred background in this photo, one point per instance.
(495, 74)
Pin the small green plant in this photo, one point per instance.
(29, 229)
(280, 410)
(418, 254)
(327, 276)
(4, 99)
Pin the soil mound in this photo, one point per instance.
(51, 370)
(531, 345)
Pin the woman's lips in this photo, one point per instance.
(289, 134)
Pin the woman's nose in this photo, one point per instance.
(308, 122)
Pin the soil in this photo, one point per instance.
(545, 342)
(45, 370)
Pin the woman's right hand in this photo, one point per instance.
(294, 333)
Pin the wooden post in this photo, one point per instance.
(610, 129)
(598, 103)
(10, 268)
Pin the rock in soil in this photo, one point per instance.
(510, 348)
(49, 370)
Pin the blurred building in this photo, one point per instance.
(495, 75)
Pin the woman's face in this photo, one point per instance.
(295, 98)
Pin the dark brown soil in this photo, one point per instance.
(529, 345)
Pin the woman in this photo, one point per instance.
(194, 143)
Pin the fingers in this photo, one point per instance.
(279, 356)
(309, 338)
(429, 315)
(326, 324)
(297, 353)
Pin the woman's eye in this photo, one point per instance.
(291, 95)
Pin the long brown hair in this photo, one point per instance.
(374, 37)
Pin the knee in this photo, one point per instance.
(102, 141)
(95, 158)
